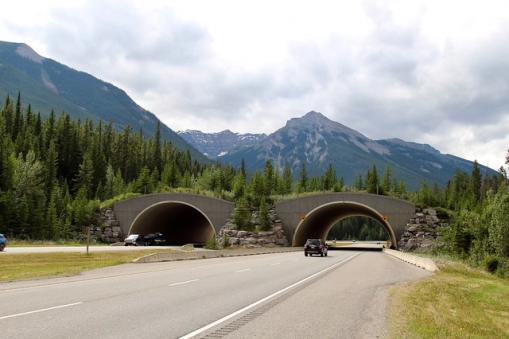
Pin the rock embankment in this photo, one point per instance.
(424, 230)
(109, 231)
(274, 237)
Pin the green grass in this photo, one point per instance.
(37, 265)
(36, 243)
(457, 302)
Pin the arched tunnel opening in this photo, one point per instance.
(318, 223)
(179, 222)
(358, 228)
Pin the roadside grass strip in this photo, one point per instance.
(457, 302)
(38, 265)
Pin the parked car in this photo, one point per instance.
(134, 240)
(315, 246)
(154, 239)
(3, 242)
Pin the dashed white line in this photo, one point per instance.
(248, 307)
(244, 270)
(183, 282)
(40, 310)
(274, 264)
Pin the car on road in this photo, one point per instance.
(134, 240)
(3, 242)
(315, 246)
(154, 239)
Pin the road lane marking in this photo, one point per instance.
(274, 264)
(183, 282)
(244, 270)
(41, 310)
(256, 303)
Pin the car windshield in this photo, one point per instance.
(313, 241)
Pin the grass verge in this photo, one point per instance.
(38, 243)
(456, 302)
(38, 265)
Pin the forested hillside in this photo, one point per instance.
(56, 173)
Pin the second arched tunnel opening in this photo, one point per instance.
(318, 222)
(179, 222)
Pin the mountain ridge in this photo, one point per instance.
(49, 85)
(319, 141)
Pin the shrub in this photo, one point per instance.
(211, 243)
(225, 241)
(491, 263)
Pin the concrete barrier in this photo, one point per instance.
(193, 255)
(424, 263)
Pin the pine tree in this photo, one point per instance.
(86, 175)
(329, 180)
(359, 184)
(386, 185)
(239, 185)
(257, 187)
(243, 167)
(476, 182)
(287, 180)
(51, 167)
(242, 215)
(268, 178)
(144, 182)
(157, 147)
(373, 186)
(18, 119)
(263, 216)
(303, 178)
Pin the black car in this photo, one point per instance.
(315, 246)
(154, 239)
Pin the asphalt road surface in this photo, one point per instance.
(282, 295)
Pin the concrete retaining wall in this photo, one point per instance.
(183, 255)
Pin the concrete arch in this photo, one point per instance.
(318, 222)
(181, 222)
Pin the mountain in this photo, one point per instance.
(216, 145)
(47, 84)
(318, 141)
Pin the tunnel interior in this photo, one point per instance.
(360, 228)
(318, 222)
(179, 222)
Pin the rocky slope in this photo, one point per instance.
(216, 145)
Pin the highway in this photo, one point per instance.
(283, 295)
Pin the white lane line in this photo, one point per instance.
(274, 264)
(244, 270)
(183, 282)
(256, 303)
(41, 310)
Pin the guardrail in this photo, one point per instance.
(424, 263)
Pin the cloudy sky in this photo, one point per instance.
(428, 71)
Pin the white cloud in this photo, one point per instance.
(425, 71)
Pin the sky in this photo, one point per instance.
(427, 71)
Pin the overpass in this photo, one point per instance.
(184, 218)
(313, 216)
(190, 218)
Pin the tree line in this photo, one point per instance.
(479, 210)
(56, 172)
